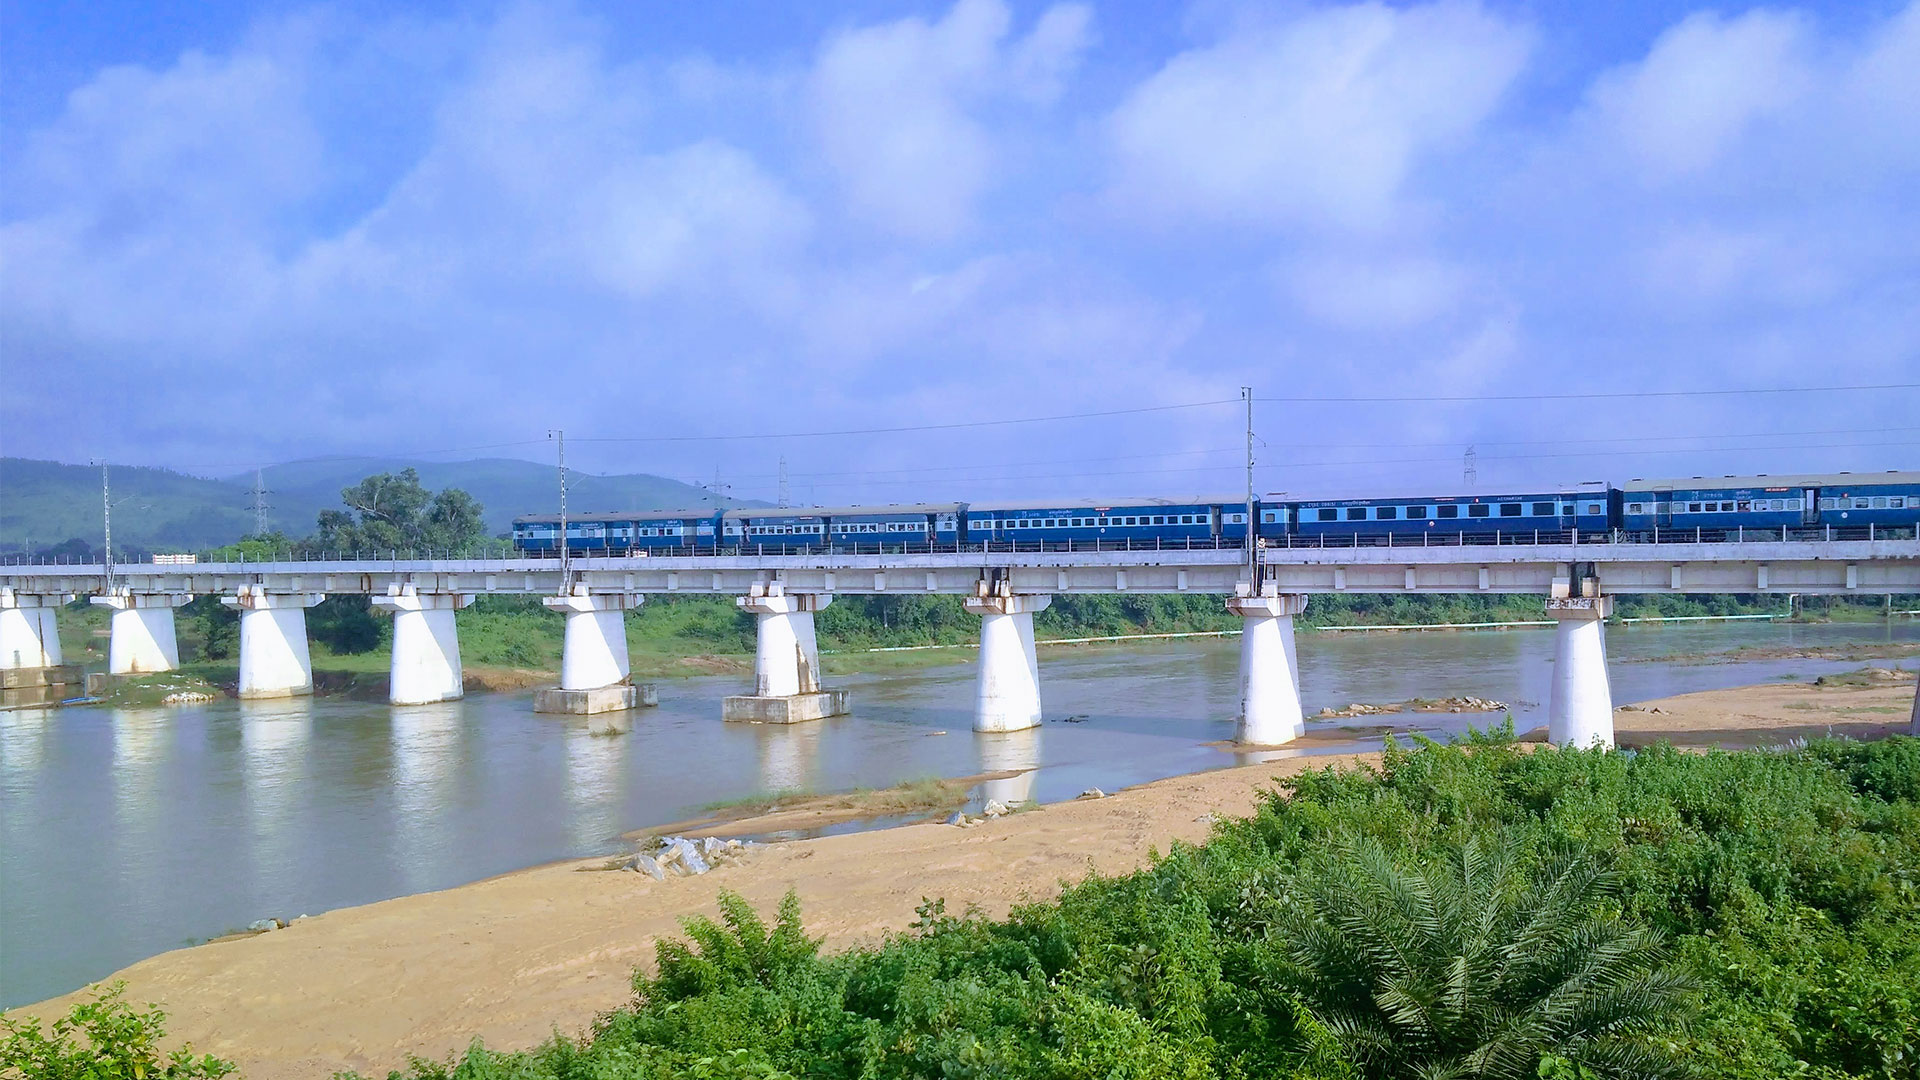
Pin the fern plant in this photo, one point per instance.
(1480, 966)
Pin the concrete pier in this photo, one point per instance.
(143, 641)
(426, 645)
(1270, 712)
(786, 661)
(1007, 697)
(1580, 705)
(29, 629)
(594, 670)
(274, 659)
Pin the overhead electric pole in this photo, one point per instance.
(784, 499)
(566, 556)
(106, 523)
(1470, 471)
(1253, 557)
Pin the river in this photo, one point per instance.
(128, 832)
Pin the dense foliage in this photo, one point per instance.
(1473, 911)
(101, 1039)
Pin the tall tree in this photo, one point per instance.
(394, 512)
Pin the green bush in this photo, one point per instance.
(102, 1039)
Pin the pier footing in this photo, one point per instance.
(599, 699)
(788, 709)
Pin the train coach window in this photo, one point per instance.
(1509, 509)
(1416, 512)
(1356, 513)
(1593, 508)
(1328, 513)
(1896, 502)
(1479, 510)
(1543, 509)
(1879, 502)
(1449, 512)
(1386, 513)
(1745, 505)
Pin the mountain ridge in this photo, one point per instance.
(43, 503)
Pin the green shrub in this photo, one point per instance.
(101, 1039)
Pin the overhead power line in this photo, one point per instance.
(1597, 396)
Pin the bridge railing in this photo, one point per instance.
(1435, 538)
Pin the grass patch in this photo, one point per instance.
(923, 795)
(1865, 678)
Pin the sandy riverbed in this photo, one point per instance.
(510, 959)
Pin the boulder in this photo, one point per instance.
(995, 808)
(1093, 793)
(261, 926)
(647, 864)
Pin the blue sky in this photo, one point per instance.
(239, 233)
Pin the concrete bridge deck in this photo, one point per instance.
(1803, 566)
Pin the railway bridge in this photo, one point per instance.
(785, 588)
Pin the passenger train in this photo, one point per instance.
(1840, 505)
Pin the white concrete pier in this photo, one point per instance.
(1580, 705)
(274, 659)
(594, 670)
(426, 645)
(143, 641)
(1007, 697)
(1270, 712)
(29, 630)
(786, 662)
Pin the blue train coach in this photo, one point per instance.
(617, 533)
(1131, 522)
(1867, 502)
(1588, 510)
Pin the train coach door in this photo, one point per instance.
(1809, 507)
(1663, 509)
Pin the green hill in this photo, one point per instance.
(45, 502)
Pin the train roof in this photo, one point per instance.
(844, 511)
(1581, 491)
(1131, 500)
(617, 515)
(1695, 483)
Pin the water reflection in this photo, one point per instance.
(789, 755)
(425, 744)
(22, 744)
(274, 737)
(1009, 751)
(597, 778)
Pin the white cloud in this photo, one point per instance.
(1705, 83)
(1356, 292)
(896, 108)
(1319, 119)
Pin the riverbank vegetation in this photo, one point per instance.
(1474, 911)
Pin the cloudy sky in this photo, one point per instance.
(239, 233)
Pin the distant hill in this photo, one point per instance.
(45, 502)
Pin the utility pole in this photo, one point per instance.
(259, 503)
(1253, 556)
(566, 555)
(106, 522)
(1469, 470)
(784, 500)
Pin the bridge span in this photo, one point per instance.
(784, 589)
